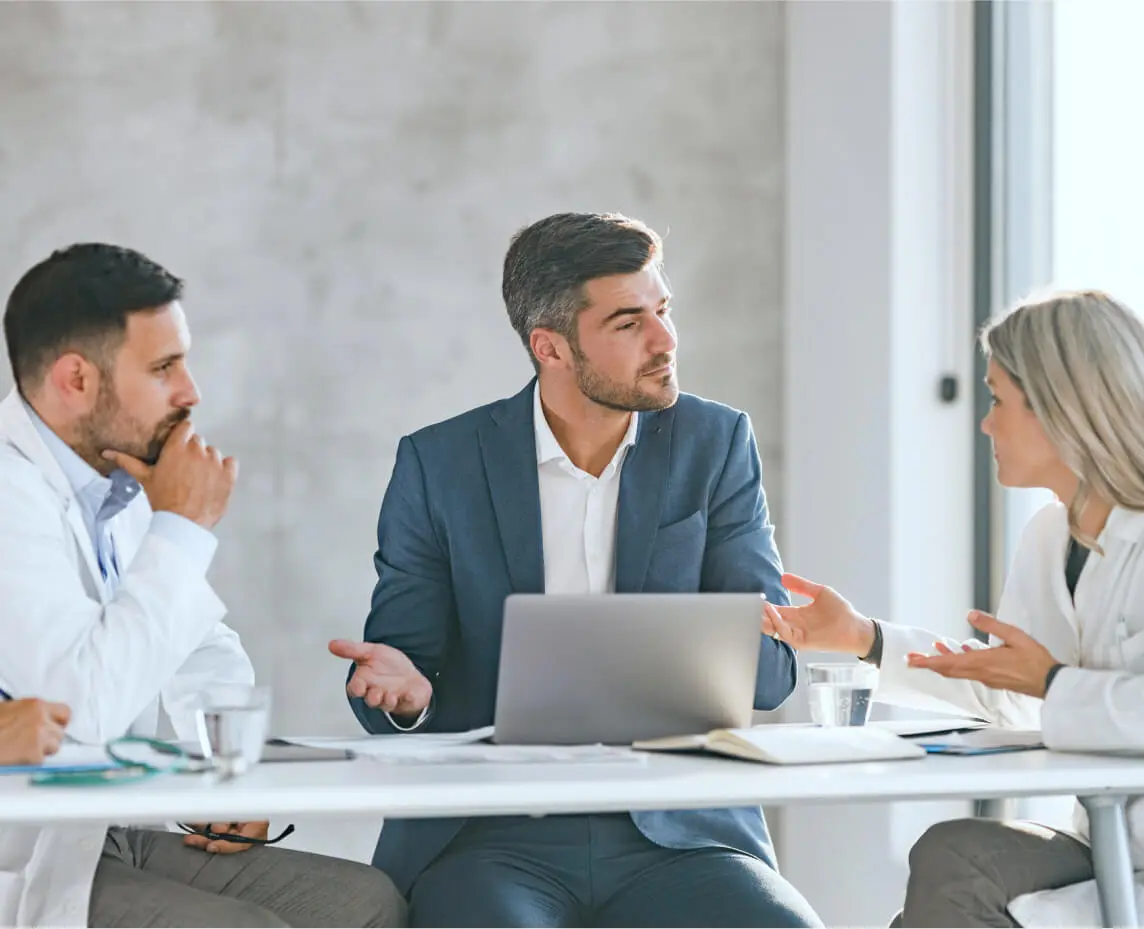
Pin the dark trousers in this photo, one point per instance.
(595, 871)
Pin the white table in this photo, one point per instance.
(663, 782)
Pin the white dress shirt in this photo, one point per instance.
(578, 513)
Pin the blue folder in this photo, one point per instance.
(58, 768)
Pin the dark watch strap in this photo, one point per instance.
(874, 656)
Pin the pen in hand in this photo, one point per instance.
(6, 697)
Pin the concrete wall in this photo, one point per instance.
(338, 183)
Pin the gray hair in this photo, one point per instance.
(549, 262)
(1078, 357)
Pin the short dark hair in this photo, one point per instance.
(78, 299)
(549, 262)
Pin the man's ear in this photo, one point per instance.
(549, 347)
(74, 380)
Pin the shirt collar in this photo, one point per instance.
(548, 449)
(1125, 524)
(103, 497)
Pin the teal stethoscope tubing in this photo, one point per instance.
(126, 770)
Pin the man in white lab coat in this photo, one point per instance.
(107, 501)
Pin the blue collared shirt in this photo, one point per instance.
(101, 499)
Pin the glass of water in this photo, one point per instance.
(841, 693)
(232, 722)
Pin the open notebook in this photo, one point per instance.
(786, 744)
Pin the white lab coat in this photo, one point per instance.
(1095, 704)
(113, 661)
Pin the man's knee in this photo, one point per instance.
(714, 887)
(201, 912)
(372, 899)
(786, 906)
(227, 911)
(793, 913)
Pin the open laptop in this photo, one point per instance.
(621, 667)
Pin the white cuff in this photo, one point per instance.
(417, 723)
(197, 543)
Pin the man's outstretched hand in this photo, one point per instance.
(384, 677)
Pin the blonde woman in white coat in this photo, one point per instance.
(1067, 378)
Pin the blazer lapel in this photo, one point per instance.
(642, 483)
(508, 447)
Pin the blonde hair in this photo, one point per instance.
(1079, 360)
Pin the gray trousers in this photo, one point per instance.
(150, 878)
(965, 872)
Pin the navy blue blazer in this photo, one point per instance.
(460, 530)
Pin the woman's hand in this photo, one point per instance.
(1020, 663)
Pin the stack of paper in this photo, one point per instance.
(941, 725)
(468, 748)
(513, 754)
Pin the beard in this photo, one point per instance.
(661, 393)
(110, 427)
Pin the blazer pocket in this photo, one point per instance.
(677, 555)
(682, 529)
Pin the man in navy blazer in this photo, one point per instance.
(598, 477)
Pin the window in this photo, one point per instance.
(1097, 146)
(1014, 232)
(1060, 138)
